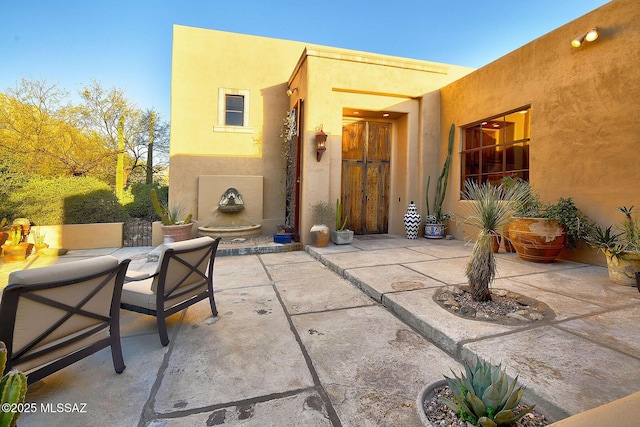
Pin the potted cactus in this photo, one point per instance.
(341, 235)
(175, 226)
(435, 221)
(482, 396)
(38, 239)
(13, 389)
(14, 249)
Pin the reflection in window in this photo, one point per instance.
(497, 147)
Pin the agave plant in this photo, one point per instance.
(485, 396)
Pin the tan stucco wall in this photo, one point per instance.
(212, 187)
(328, 80)
(204, 61)
(331, 80)
(83, 236)
(584, 108)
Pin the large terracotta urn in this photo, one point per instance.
(176, 233)
(537, 239)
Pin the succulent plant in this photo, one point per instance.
(485, 396)
(169, 214)
(13, 389)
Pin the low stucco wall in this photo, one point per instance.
(83, 236)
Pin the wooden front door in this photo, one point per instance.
(366, 151)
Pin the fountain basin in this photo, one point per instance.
(230, 231)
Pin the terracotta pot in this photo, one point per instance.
(176, 233)
(41, 247)
(320, 235)
(622, 269)
(506, 242)
(15, 253)
(537, 239)
(495, 242)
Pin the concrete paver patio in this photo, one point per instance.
(348, 335)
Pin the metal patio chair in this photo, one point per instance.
(51, 317)
(183, 277)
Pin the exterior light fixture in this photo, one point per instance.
(290, 91)
(589, 36)
(321, 139)
(386, 115)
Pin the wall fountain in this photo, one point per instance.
(229, 220)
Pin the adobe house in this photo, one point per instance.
(562, 117)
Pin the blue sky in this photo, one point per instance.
(127, 43)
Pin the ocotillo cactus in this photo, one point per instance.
(13, 389)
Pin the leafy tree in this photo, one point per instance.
(101, 111)
(35, 133)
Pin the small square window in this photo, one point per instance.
(233, 111)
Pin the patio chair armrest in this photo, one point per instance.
(133, 275)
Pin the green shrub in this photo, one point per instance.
(67, 200)
(141, 207)
(94, 207)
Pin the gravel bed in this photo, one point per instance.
(442, 416)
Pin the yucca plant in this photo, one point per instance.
(485, 396)
(489, 208)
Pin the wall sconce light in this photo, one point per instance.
(290, 91)
(589, 36)
(321, 139)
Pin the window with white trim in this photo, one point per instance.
(233, 111)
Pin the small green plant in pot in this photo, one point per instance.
(14, 249)
(175, 225)
(485, 396)
(341, 235)
(621, 246)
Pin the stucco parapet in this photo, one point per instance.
(370, 58)
(376, 59)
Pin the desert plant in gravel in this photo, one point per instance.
(485, 396)
(488, 208)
